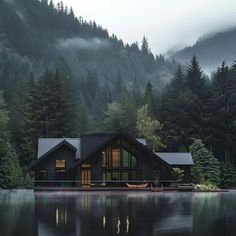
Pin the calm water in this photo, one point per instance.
(84, 214)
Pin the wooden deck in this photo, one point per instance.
(88, 189)
(97, 189)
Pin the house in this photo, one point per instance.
(102, 159)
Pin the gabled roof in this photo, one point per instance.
(92, 141)
(112, 138)
(46, 144)
(47, 153)
(176, 158)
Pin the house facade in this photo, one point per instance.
(103, 160)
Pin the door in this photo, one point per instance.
(86, 177)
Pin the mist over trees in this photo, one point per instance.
(46, 32)
(211, 50)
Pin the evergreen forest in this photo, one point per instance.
(61, 76)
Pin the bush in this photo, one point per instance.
(156, 181)
(177, 176)
(27, 182)
(206, 187)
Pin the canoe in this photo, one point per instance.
(137, 185)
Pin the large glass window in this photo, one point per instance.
(134, 161)
(120, 164)
(116, 157)
(125, 159)
(104, 159)
(120, 155)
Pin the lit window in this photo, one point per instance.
(116, 157)
(104, 159)
(84, 166)
(60, 164)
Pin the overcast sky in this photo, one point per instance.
(168, 24)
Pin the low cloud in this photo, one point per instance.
(12, 2)
(84, 44)
(20, 15)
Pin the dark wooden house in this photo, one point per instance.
(104, 160)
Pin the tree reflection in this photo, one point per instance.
(145, 214)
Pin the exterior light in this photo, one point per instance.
(57, 216)
(104, 222)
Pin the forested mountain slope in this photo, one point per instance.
(39, 33)
(212, 50)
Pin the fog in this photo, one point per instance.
(168, 25)
(80, 43)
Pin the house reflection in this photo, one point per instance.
(117, 225)
(55, 216)
(100, 214)
(61, 216)
(110, 214)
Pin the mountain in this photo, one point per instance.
(35, 34)
(211, 51)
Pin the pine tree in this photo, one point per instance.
(16, 114)
(222, 113)
(178, 83)
(193, 99)
(10, 171)
(136, 93)
(58, 109)
(206, 167)
(149, 98)
(196, 79)
(145, 47)
(3, 126)
(11, 175)
(228, 175)
(30, 130)
(179, 124)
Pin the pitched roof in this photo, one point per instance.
(47, 153)
(112, 138)
(176, 158)
(46, 144)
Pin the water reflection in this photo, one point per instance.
(151, 214)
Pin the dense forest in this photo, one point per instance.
(94, 82)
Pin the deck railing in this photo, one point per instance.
(110, 183)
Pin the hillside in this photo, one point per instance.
(211, 51)
(35, 34)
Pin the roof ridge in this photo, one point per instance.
(58, 138)
(173, 152)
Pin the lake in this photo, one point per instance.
(117, 213)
